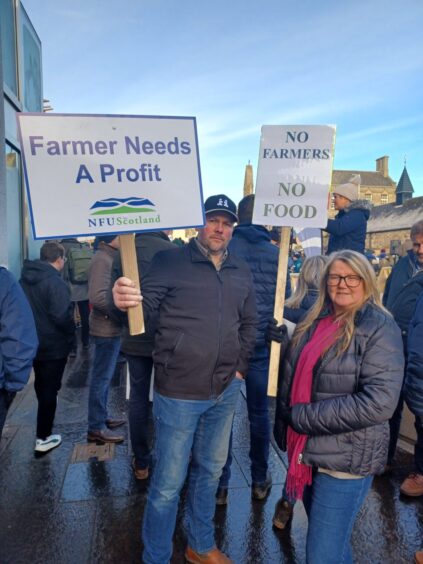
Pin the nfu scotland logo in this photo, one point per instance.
(112, 211)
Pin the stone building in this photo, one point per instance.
(376, 186)
(389, 226)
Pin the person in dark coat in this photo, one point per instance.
(348, 229)
(79, 295)
(413, 393)
(402, 290)
(200, 298)
(49, 297)
(339, 383)
(138, 350)
(252, 243)
(105, 336)
(18, 341)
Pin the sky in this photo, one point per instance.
(237, 65)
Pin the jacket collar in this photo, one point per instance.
(198, 256)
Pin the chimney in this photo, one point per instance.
(382, 166)
(248, 180)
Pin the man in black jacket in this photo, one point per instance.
(49, 298)
(138, 350)
(201, 300)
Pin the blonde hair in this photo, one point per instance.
(309, 278)
(361, 266)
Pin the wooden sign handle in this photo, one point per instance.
(130, 270)
(275, 350)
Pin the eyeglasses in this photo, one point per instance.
(351, 280)
(64, 259)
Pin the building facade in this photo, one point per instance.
(376, 186)
(21, 76)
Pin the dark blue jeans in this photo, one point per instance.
(106, 351)
(258, 415)
(332, 505)
(199, 429)
(140, 368)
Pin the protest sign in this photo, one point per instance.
(93, 174)
(90, 175)
(293, 180)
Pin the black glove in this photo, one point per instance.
(275, 332)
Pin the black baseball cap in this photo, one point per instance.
(220, 203)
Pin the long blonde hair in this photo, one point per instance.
(309, 278)
(361, 266)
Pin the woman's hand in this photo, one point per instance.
(125, 294)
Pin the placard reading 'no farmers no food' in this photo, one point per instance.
(92, 174)
(294, 175)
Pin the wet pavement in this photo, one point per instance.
(56, 509)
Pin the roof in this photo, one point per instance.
(367, 178)
(392, 217)
(404, 183)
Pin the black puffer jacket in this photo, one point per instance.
(353, 397)
(49, 298)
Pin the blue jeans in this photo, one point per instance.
(332, 506)
(258, 415)
(184, 428)
(140, 368)
(106, 351)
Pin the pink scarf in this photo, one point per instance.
(299, 474)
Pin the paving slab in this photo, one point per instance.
(56, 510)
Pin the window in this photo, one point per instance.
(384, 199)
(8, 45)
(31, 64)
(368, 196)
(13, 210)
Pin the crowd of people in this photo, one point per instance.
(348, 361)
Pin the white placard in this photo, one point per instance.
(294, 174)
(97, 174)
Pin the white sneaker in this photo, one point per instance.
(49, 443)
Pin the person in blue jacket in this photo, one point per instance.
(347, 231)
(18, 341)
(413, 392)
(252, 243)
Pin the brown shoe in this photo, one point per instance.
(412, 485)
(214, 556)
(418, 557)
(104, 437)
(113, 423)
(140, 473)
(283, 513)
